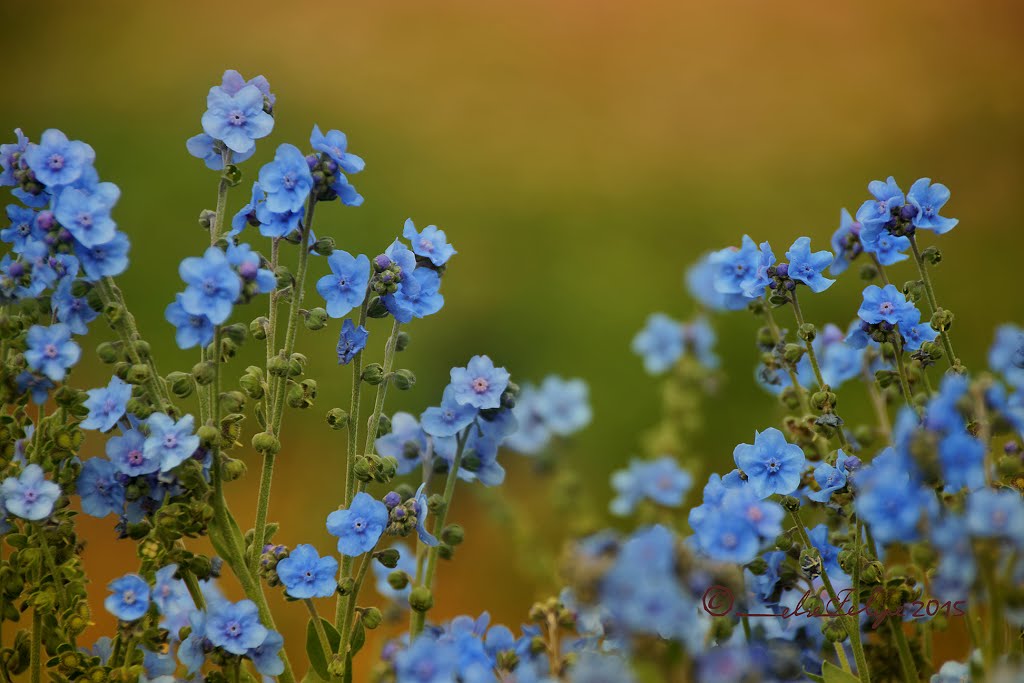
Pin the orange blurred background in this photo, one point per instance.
(579, 155)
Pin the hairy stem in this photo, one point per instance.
(929, 291)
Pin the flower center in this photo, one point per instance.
(209, 286)
(480, 385)
(50, 351)
(236, 118)
(128, 597)
(84, 220)
(234, 629)
(170, 441)
(773, 465)
(359, 524)
(135, 457)
(886, 308)
(288, 181)
(426, 245)
(55, 162)
(30, 496)
(730, 541)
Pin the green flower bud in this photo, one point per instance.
(834, 631)
(362, 469)
(807, 332)
(316, 319)
(181, 384)
(346, 586)
(758, 567)
(204, 372)
(108, 352)
(207, 218)
(403, 380)
(232, 469)
(139, 374)
(371, 617)
(793, 352)
(252, 385)
(402, 341)
(388, 557)
(232, 402)
(208, 435)
(373, 374)
(383, 426)
(324, 246)
(942, 320)
(376, 308)
(453, 534)
(421, 599)
(337, 418)
(258, 328)
(398, 580)
(278, 367)
(266, 443)
(790, 503)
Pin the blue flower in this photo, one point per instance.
(532, 435)
(29, 495)
(806, 267)
(190, 330)
(247, 263)
(700, 282)
(232, 82)
(829, 478)
(565, 404)
(845, 242)
(952, 672)
(753, 286)
(71, 310)
(840, 361)
(700, 339)
(427, 661)
(928, 199)
(235, 626)
(425, 536)
(884, 304)
(129, 456)
(247, 214)
(345, 288)
(237, 119)
(735, 270)
(51, 351)
(107, 405)
(204, 147)
(430, 243)
(335, 146)
(659, 343)
(406, 563)
(877, 212)
(360, 526)
(915, 332)
(307, 575)
(891, 499)
(38, 387)
(479, 384)
(23, 228)
(129, 598)
(286, 180)
(170, 442)
(406, 442)
(418, 295)
(109, 259)
(888, 249)
(661, 481)
(732, 523)
(99, 489)
(600, 667)
(58, 161)
(192, 651)
(351, 341)
(266, 657)
(86, 214)
(992, 514)
(1006, 356)
(273, 224)
(212, 285)
(10, 156)
(772, 465)
(963, 462)
(450, 418)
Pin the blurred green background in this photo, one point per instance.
(579, 154)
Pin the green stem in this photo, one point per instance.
(347, 624)
(354, 408)
(222, 200)
(904, 380)
(903, 648)
(813, 357)
(279, 389)
(777, 338)
(841, 654)
(35, 654)
(851, 624)
(51, 565)
(417, 618)
(192, 583)
(382, 389)
(929, 291)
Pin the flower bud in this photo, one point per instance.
(388, 557)
(139, 374)
(181, 384)
(807, 332)
(362, 469)
(403, 380)
(208, 435)
(371, 618)
(402, 341)
(346, 586)
(204, 372)
(373, 374)
(383, 426)
(316, 319)
(793, 352)
(376, 308)
(337, 418)
(252, 385)
(266, 443)
(324, 246)
(421, 599)
(258, 328)
(453, 534)
(108, 352)
(278, 367)
(790, 503)
(942, 320)
(207, 218)
(232, 469)
(398, 580)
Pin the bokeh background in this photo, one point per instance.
(580, 155)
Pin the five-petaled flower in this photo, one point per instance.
(29, 495)
(360, 526)
(479, 384)
(51, 351)
(129, 597)
(307, 575)
(771, 464)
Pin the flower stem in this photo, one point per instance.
(382, 389)
(346, 629)
(262, 508)
(318, 626)
(222, 200)
(929, 291)
(417, 618)
(354, 408)
(904, 380)
(903, 648)
(35, 654)
(813, 357)
(852, 627)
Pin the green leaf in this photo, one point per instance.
(833, 674)
(358, 638)
(318, 659)
(813, 677)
